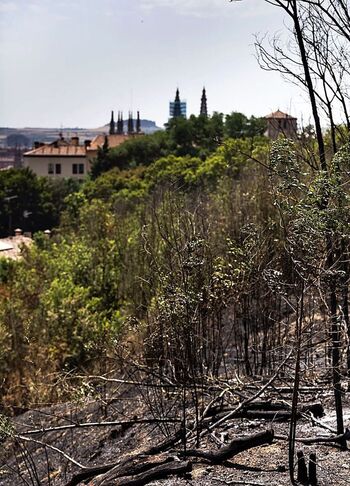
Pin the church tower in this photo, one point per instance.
(112, 125)
(120, 123)
(138, 123)
(204, 109)
(130, 123)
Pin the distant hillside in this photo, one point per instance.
(10, 137)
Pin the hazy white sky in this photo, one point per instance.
(69, 62)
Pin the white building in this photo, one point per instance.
(59, 159)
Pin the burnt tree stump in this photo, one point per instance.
(312, 469)
(302, 471)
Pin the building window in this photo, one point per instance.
(78, 168)
(50, 169)
(58, 168)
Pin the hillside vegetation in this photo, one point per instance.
(202, 271)
(117, 261)
(186, 260)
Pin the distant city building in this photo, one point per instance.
(204, 108)
(177, 108)
(279, 123)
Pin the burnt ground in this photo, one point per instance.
(28, 463)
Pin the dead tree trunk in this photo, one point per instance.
(235, 447)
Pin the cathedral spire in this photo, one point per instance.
(120, 124)
(138, 123)
(130, 123)
(112, 125)
(204, 109)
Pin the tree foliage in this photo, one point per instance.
(29, 202)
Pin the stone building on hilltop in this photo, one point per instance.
(279, 123)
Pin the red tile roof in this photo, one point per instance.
(279, 115)
(60, 151)
(113, 140)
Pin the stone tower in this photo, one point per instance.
(120, 123)
(138, 123)
(204, 109)
(130, 123)
(112, 125)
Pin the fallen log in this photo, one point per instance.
(338, 439)
(268, 405)
(160, 471)
(302, 389)
(235, 447)
(256, 414)
(285, 390)
(93, 471)
(266, 414)
(316, 408)
(131, 466)
(89, 473)
(268, 411)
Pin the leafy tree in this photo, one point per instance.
(181, 136)
(256, 127)
(6, 267)
(139, 150)
(237, 125)
(102, 162)
(128, 183)
(217, 127)
(30, 202)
